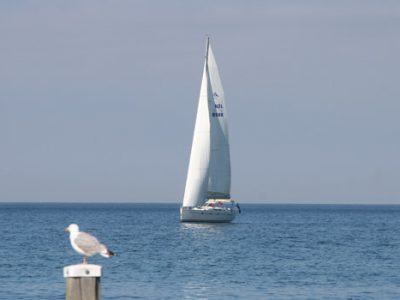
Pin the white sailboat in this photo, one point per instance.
(207, 193)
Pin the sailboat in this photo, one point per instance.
(207, 196)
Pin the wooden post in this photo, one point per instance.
(82, 282)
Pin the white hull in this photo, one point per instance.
(211, 215)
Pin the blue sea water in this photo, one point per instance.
(269, 252)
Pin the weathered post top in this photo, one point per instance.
(82, 282)
(82, 270)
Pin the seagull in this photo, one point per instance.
(86, 244)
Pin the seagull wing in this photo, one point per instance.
(87, 243)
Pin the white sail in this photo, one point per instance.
(198, 172)
(209, 173)
(219, 185)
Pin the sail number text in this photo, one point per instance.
(218, 114)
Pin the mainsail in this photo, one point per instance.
(209, 173)
(219, 184)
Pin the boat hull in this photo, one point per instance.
(216, 215)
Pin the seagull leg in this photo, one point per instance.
(85, 260)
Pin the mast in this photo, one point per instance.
(207, 47)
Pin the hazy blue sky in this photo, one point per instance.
(98, 98)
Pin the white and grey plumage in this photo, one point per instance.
(86, 244)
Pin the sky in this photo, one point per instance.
(98, 98)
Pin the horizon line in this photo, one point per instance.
(179, 203)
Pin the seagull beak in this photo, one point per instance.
(66, 229)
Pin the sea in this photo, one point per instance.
(270, 251)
